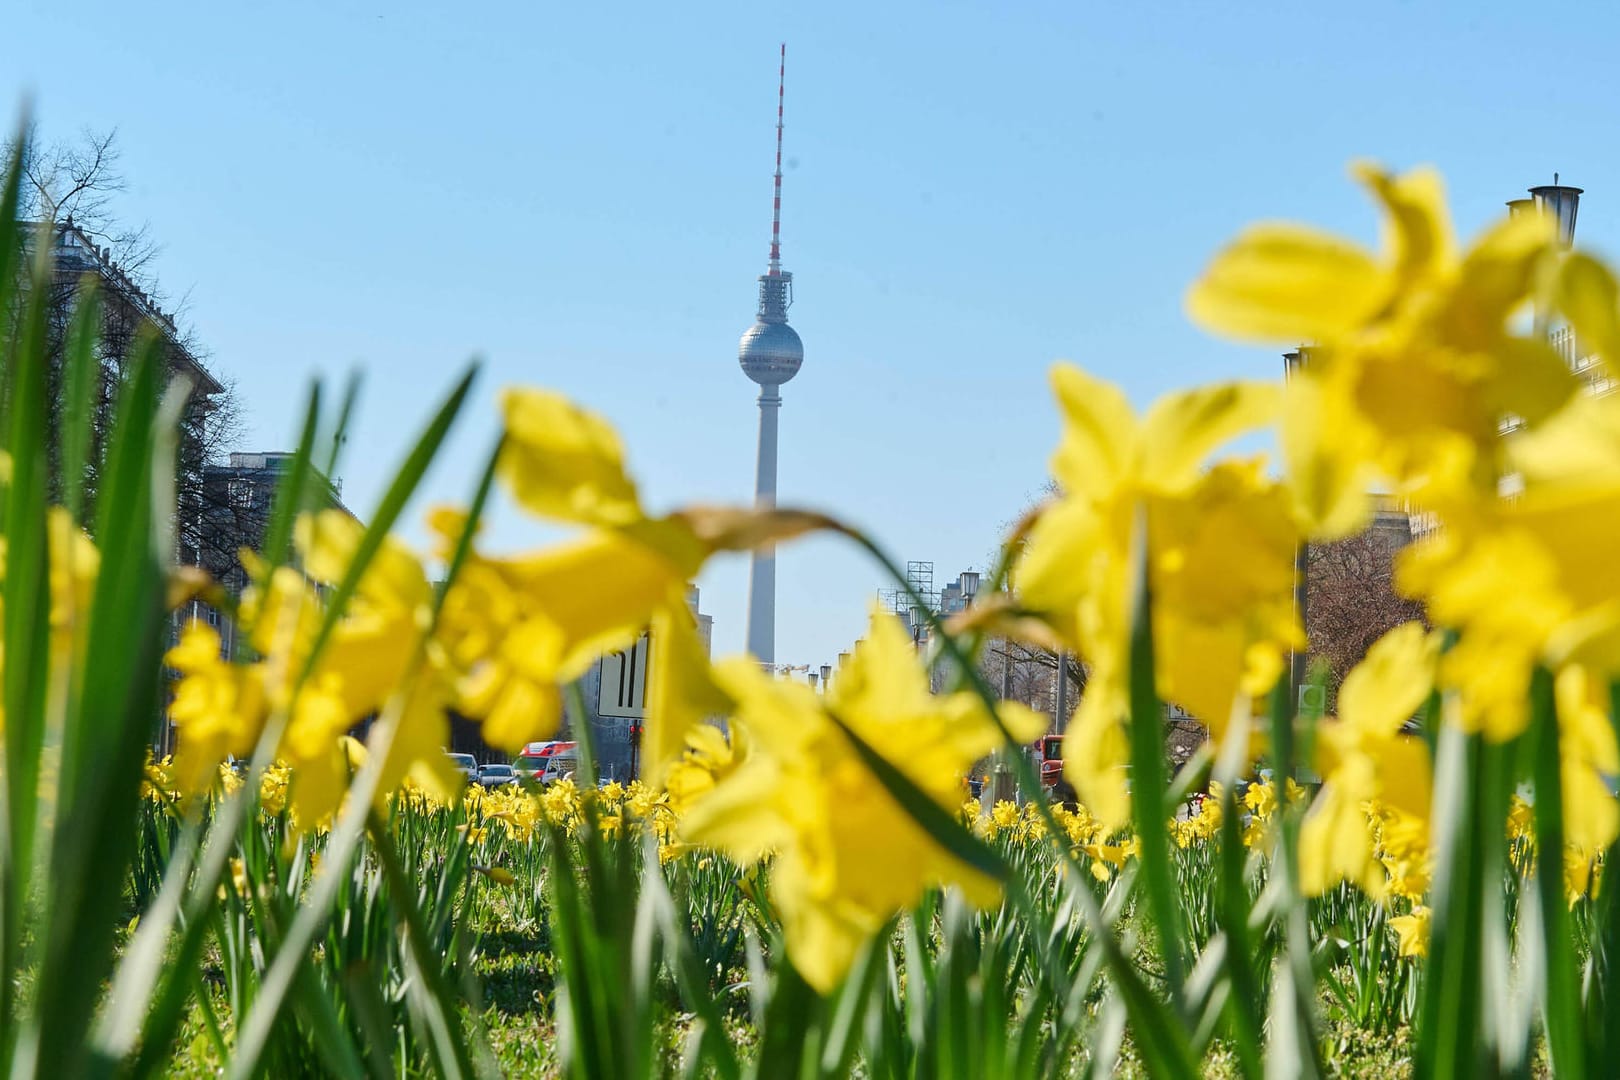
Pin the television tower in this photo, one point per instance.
(770, 353)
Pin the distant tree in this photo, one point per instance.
(1350, 595)
(80, 179)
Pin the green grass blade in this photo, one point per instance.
(340, 429)
(1603, 1005)
(1565, 1044)
(435, 994)
(142, 967)
(108, 727)
(1293, 1017)
(1244, 1005)
(256, 1027)
(22, 518)
(475, 514)
(27, 592)
(1447, 1030)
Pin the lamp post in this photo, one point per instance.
(1293, 363)
(1560, 202)
(917, 620)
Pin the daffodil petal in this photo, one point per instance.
(1286, 283)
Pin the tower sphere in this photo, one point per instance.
(770, 352)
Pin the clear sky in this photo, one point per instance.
(580, 194)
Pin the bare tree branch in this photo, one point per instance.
(1351, 600)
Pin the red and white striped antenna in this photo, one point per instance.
(776, 205)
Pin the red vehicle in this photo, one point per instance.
(532, 762)
(1049, 757)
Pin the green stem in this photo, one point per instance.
(1563, 996)
(1148, 780)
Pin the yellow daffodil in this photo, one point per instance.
(218, 707)
(847, 855)
(681, 694)
(1221, 548)
(1414, 364)
(1531, 580)
(1581, 875)
(1587, 755)
(74, 563)
(1401, 845)
(564, 462)
(709, 757)
(1412, 932)
(519, 629)
(1365, 756)
(370, 658)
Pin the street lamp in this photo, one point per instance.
(968, 582)
(917, 619)
(1298, 659)
(1560, 202)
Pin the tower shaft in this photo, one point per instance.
(762, 573)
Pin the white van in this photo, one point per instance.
(557, 767)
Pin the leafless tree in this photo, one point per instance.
(1027, 673)
(70, 190)
(81, 179)
(1351, 599)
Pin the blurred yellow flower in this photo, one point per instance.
(369, 659)
(1364, 756)
(847, 855)
(710, 756)
(522, 627)
(1531, 580)
(1580, 875)
(1412, 932)
(499, 875)
(518, 629)
(74, 563)
(217, 707)
(1588, 756)
(1221, 548)
(682, 692)
(564, 462)
(1413, 367)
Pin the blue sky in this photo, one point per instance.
(580, 194)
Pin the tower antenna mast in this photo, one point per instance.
(776, 204)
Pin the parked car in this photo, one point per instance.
(467, 764)
(496, 775)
